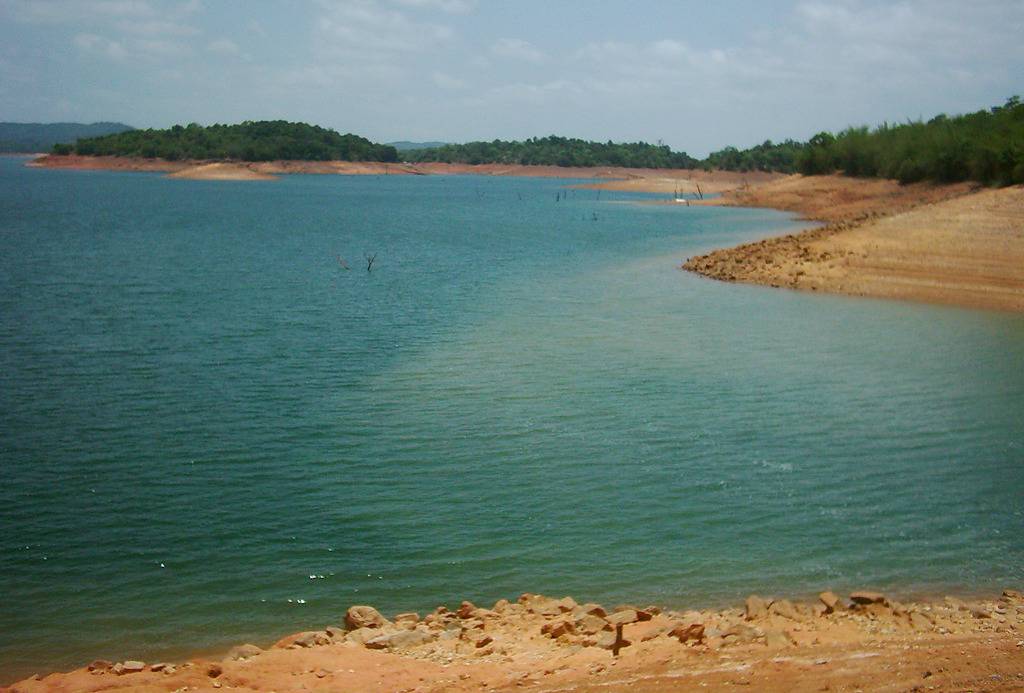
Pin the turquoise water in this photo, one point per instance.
(201, 410)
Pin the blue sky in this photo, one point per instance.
(695, 75)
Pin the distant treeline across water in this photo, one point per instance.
(986, 146)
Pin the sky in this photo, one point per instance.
(696, 76)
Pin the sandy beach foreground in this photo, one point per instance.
(865, 641)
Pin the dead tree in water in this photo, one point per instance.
(341, 261)
(369, 260)
(699, 191)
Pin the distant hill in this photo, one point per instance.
(404, 146)
(263, 140)
(40, 137)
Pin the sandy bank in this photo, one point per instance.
(221, 171)
(866, 642)
(954, 244)
(657, 180)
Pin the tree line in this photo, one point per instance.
(266, 140)
(986, 146)
(557, 151)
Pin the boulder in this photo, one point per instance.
(159, 666)
(785, 608)
(755, 608)
(501, 605)
(132, 666)
(243, 652)
(335, 632)
(687, 632)
(864, 597)
(101, 665)
(830, 600)
(565, 604)
(739, 633)
(592, 609)
(919, 621)
(407, 617)
(778, 639)
(466, 610)
(626, 616)
(1013, 595)
(402, 640)
(556, 629)
(307, 639)
(590, 624)
(361, 635)
(484, 641)
(364, 617)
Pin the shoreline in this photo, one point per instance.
(659, 180)
(956, 244)
(557, 644)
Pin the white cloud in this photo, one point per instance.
(359, 26)
(446, 81)
(518, 49)
(450, 6)
(224, 46)
(156, 27)
(98, 44)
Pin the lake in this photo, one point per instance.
(212, 432)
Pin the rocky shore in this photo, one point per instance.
(952, 244)
(864, 641)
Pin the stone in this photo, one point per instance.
(739, 633)
(484, 641)
(686, 632)
(1013, 595)
(830, 600)
(159, 666)
(755, 608)
(335, 632)
(243, 652)
(785, 608)
(364, 617)
(466, 610)
(501, 605)
(818, 610)
(621, 618)
(565, 604)
(980, 613)
(919, 621)
(214, 670)
(100, 665)
(361, 635)
(863, 597)
(590, 624)
(778, 639)
(592, 609)
(407, 617)
(307, 639)
(132, 666)
(402, 640)
(556, 629)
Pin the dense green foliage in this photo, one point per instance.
(250, 141)
(40, 137)
(557, 151)
(987, 146)
(780, 157)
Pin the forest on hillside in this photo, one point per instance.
(557, 151)
(266, 140)
(986, 146)
(40, 137)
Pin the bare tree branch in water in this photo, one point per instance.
(369, 260)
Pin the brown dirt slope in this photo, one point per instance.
(954, 244)
(866, 642)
